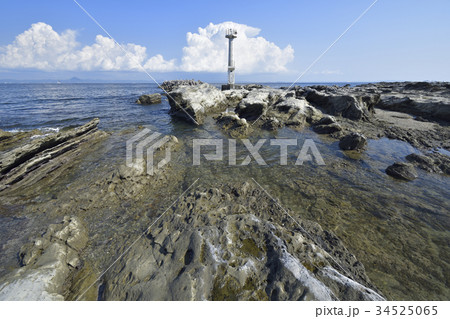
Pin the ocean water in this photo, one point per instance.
(400, 231)
(54, 106)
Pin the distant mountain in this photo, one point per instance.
(74, 80)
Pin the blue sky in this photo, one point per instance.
(395, 40)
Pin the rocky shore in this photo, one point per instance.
(84, 208)
(416, 112)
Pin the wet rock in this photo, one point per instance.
(233, 124)
(272, 123)
(353, 141)
(47, 263)
(195, 102)
(130, 182)
(402, 171)
(38, 157)
(148, 99)
(432, 162)
(221, 245)
(5, 135)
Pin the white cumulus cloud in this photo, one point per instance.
(207, 50)
(42, 48)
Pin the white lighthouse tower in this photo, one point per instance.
(231, 34)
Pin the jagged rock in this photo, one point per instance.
(432, 162)
(195, 102)
(174, 84)
(431, 107)
(403, 171)
(297, 110)
(148, 99)
(257, 102)
(291, 112)
(341, 103)
(43, 155)
(233, 124)
(234, 97)
(46, 263)
(353, 141)
(234, 243)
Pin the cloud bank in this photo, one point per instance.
(207, 50)
(42, 48)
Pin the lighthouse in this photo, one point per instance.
(231, 34)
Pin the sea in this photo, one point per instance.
(52, 106)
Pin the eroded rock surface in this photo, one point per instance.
(195, 102)
(47, 263)
(338, 101)
(234, 243)
(34, 160)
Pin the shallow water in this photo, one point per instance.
(399, 230)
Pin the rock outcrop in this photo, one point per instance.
(294, 112)
(193, 103)
(275, 108)
(404, 171)
(38, 157)
(46, 263)
(430, 100)
(256, 103)
(234, 243)
(337, 102)
(174, 84)
(147, 99)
